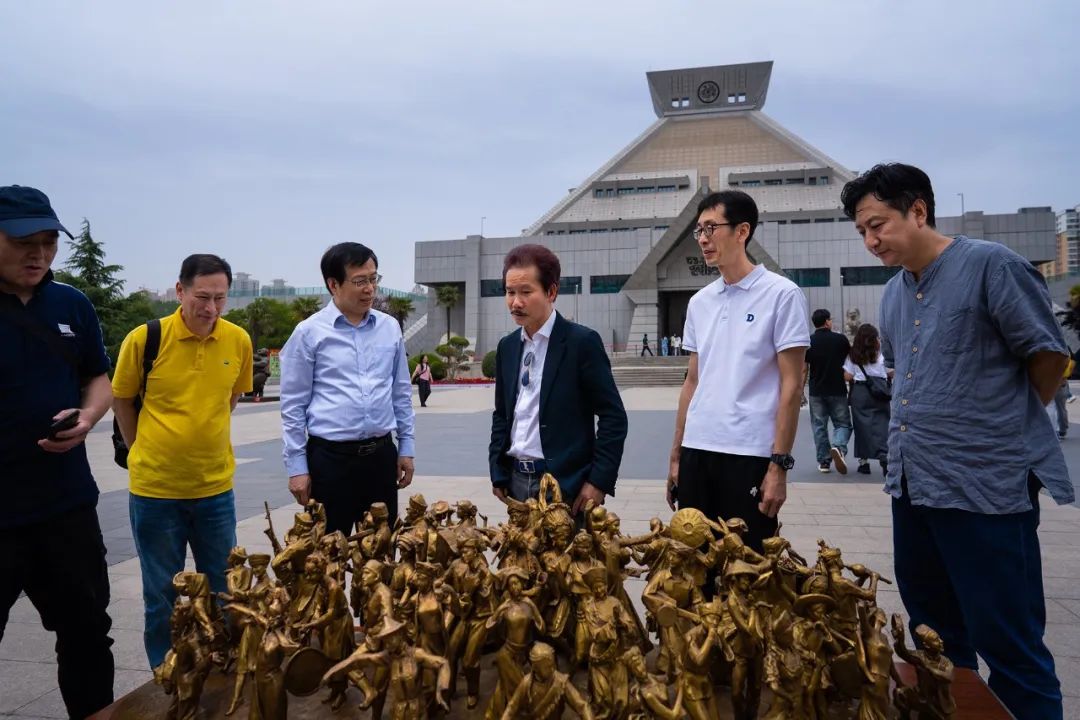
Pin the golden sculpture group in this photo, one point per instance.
(791, 640)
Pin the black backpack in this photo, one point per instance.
(150, 353)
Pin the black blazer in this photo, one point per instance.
(576, 388)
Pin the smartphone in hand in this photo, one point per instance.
(65, 423)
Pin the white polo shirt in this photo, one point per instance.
(736, 331)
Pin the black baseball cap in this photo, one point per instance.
(25, 211)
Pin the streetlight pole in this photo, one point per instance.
(482, 226)
(961, 204)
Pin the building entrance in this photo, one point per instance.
(673, 306)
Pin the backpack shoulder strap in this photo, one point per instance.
(150, 352)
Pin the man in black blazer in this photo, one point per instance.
(553, 380)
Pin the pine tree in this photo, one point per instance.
(94, 277)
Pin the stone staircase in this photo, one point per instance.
(632, 371)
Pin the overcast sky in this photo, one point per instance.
(266, 131)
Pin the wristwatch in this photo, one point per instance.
(785, 461)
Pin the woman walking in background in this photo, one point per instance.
(422, 376)
(869, 398)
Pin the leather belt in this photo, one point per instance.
(530, 467)
(350, 447)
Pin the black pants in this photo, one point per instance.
(60, 565)
(424, 387)
(727, 486)
(347, 484)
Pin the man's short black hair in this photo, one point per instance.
(738, 208)
(340, 256)
(895, 184)
(203, 264)
(820, 317)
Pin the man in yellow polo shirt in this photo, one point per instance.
(181, 457)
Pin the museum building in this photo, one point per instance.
(623, 235)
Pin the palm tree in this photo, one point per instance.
(400, 308)
(305, 306)
(447, 296)
(259, 318)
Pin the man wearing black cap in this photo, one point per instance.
(53, 390)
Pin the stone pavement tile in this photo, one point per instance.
(49, 705)
(1059, 538)
(127, 587)
(1058, 588)
(22, 683)
(28, 642)
(852, 520)
(129, 653)
(23, 611)
(1058, 613)
(1058, 526)
(1072, 707)
(880, 508)
(1068, 670)
(1063, 639)
(126, 614)
(124, 569)
(1063, 568)
(1071, 605)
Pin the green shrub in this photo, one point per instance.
(488, 365)
(438, 367)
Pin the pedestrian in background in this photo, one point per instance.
(869, 407)
(422, 375)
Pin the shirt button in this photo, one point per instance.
(918, 296)
(918, 323)
(914, 349)
(903, 428)
(908, 376)
(904, 401)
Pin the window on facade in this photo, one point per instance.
(685, 102)
(647, 189)
(824, 180)
(675, 102)
(578, 232)
(599, 192)
(867, 275)
(775, 181)
(661, 228)
(844, 219)
(570, 285)
(731, 99)
(823, 220)
(492, 288)
(742, 97)
(812, 181)
(751, 183)
(626, 191)
(809, 277)
(794, 181)
(665, 188)
(781, 222)
(801, 221)
(683, 186)
(606, 284)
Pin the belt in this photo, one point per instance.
(351, 447)
(530, 467)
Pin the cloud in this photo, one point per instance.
(269, 130)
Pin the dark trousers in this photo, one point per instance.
(726, 486)
(424, 386)
(977, 580)
(347, 484)
(60, 564)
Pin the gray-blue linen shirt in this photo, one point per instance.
(967, 426)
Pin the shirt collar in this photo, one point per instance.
(929, 270)
(45, 281)
(183, 332)
(333, 314)
(544, 331)
(747, 282)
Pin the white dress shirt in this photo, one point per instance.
(525, 432)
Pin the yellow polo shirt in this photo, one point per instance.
(183, 449)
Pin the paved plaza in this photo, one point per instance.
(452, 435)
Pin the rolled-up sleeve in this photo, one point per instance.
(297, 377)
(403, 409)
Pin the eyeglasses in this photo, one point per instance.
(363, 282)
(525, 375)
(708, 229)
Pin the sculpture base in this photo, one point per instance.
(974, 701)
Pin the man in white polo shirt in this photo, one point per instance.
(747, 336)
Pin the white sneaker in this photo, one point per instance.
(838, 460)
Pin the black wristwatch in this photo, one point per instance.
(785, 461)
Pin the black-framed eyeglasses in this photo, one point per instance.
(527, 362)
(363, 282)
(708, 229)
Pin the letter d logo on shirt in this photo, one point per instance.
(749, 317)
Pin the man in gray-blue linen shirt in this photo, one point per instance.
(969, 328)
